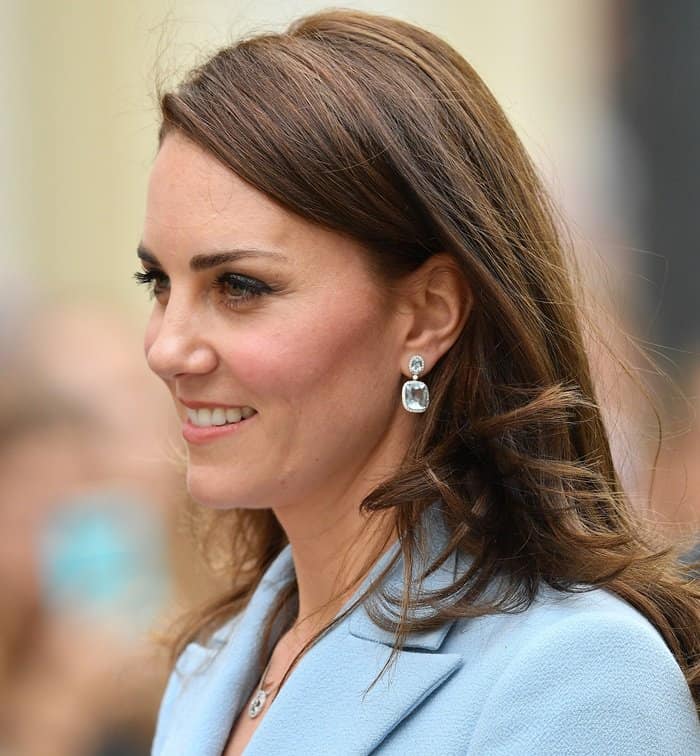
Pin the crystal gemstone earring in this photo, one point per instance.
(414, 395)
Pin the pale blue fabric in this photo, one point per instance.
(574, 674)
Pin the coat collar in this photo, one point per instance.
(327, 698)
(359, 623)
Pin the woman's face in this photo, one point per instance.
(259, 310)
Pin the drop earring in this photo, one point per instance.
(414, 394)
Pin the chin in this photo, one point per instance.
(207, 492)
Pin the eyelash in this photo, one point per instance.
(154, 280)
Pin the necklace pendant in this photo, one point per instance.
(256, 705)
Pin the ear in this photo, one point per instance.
(436, 302)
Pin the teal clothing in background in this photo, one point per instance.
(103, 557)
(574, 674)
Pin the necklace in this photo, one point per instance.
(258, 702)
(261, 695)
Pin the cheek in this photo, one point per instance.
(321, 363)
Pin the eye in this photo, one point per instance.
(156, 281)
(238, 289)
(235, 289)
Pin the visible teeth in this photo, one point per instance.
(206, 417)
(218, 416)
(233, 415)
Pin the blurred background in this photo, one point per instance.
(94, 551)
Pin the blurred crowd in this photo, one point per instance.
(94, 558)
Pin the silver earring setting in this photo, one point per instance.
(415, 395)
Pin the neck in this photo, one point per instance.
(333, 544)
(332, 557)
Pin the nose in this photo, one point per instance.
(175, 345)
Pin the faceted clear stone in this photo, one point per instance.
(257, 703)
(416, 364)
(415, 396)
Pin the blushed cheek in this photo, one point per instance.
(315, 362)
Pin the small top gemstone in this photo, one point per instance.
(416, 364)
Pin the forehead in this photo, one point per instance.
(191, 194)
(197, 205)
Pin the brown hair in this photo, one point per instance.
(378, 129)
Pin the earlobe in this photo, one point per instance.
(440, 301)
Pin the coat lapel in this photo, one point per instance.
(217, 679)
(325, 705)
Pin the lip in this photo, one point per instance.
(194, 434)
(208, 405)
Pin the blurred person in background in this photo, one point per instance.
(656, 82)
(61, 640)
(89, 539)
(367, 322)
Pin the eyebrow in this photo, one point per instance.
(212, 259)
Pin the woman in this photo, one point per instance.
(366, 323)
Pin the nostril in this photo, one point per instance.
(176, 343)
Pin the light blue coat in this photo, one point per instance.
(573, 674)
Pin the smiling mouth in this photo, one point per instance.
(218, 416)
